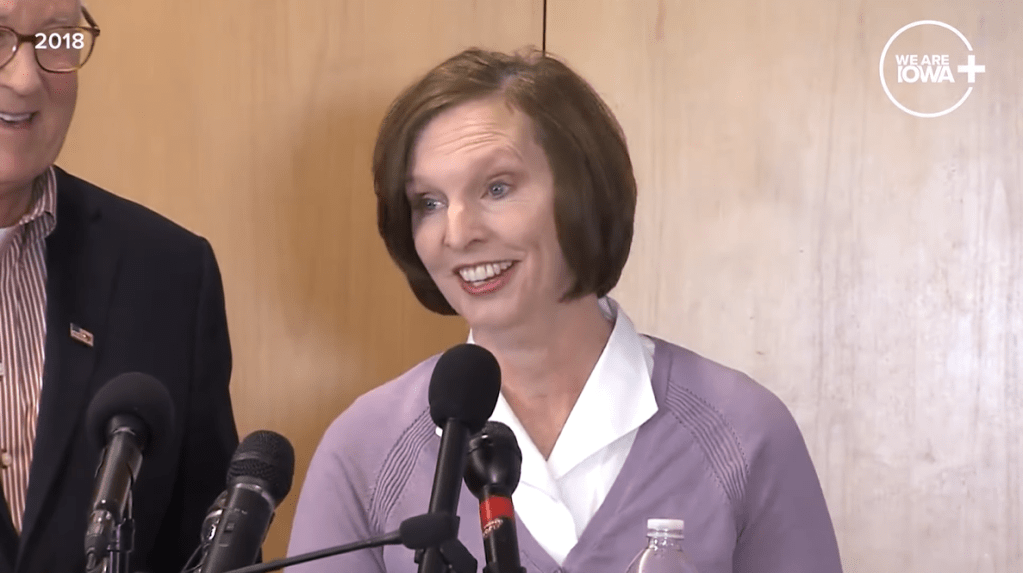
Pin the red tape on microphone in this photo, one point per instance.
(492, 511)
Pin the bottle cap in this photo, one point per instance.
(673, 527)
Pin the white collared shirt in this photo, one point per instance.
(557, 497)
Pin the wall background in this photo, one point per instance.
(862, 263)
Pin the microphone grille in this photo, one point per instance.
(135, 394)
(465, 385)
(267, 456)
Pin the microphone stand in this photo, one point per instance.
(119, 543)
(454, 556)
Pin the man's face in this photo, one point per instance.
(35, 105)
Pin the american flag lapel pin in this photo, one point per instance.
(81, 335)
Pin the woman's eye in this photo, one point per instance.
(498, 189)
(425, 203)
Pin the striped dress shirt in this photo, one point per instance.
(23, 338)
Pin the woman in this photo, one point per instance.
(506, 195)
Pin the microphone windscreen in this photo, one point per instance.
(493, 461)
(267, 456)
(137, 394)
(427, 530)
(465, 385)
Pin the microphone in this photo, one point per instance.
(463, 392)
(492, 474)
(419, 532)
(258, 478)
(131, 414)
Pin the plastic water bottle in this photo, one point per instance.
(663, 553)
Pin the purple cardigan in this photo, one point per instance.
(722, 453)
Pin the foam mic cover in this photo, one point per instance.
(132, 394)
(465, 385)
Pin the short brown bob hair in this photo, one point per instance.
(595, 189)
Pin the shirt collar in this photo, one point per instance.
(618, 398)
(44, 203)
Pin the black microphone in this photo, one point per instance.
(464, 388)
(258, 478)
(131, 414)
(492, 474)
(421, 531)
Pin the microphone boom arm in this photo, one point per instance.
(389, 539)
(419, 532)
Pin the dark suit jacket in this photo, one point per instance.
(150, 293)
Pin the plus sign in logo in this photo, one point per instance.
(928, 68)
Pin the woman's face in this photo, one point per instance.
(482, 197)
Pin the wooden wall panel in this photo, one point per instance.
(863, 263)
(252, 123)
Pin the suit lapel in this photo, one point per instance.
(81, 264)
(8, 538)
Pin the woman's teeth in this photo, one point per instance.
(481, 273)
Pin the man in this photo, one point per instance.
(92, 286)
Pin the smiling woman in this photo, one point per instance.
(481, 193)
(533, 126)
(505, 193)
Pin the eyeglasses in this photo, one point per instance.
(59, 50)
